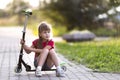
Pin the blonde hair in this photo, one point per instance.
(44, 26)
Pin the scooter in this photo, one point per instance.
(21, 62)
(18, 68)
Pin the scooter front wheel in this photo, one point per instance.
(18, 70)
(64, 68)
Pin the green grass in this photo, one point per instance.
(102, 56)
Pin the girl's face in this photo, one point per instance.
(45, 35)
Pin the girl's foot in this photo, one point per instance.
(38, 72)
(60, 72)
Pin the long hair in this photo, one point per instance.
(43, 26)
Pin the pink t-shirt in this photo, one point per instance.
(44, 44)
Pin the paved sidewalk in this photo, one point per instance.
(9, 52)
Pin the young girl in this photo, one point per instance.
(45, 55)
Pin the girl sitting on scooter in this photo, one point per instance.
(45, 55)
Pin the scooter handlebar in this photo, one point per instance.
(27, 12)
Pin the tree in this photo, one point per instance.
(16, 7)
(79, 13)
(114, 3)
(2, 13)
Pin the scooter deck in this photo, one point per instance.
(42, 70)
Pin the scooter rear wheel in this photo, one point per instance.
(18, 70)
(28, 68)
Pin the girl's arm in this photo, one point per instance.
(30, 49)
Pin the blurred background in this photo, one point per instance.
(99, 16)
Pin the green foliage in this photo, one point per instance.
(34, 20)
(114, 2)
(102, 56)
(59, 30)
(34, 28)
(105, 32)
(78, 13)
(38, 16)
(2, 13)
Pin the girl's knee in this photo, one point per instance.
(52, 51)
(44, 51)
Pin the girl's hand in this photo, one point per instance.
(22, 42)
(25, 47)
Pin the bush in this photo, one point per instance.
(105, 32)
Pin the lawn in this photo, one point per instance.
(102, 56)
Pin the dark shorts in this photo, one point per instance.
(44, 67)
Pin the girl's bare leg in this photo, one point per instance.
(54, 57)
(49, 61)
(41, 61)
(59, 70)
(42, 57)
